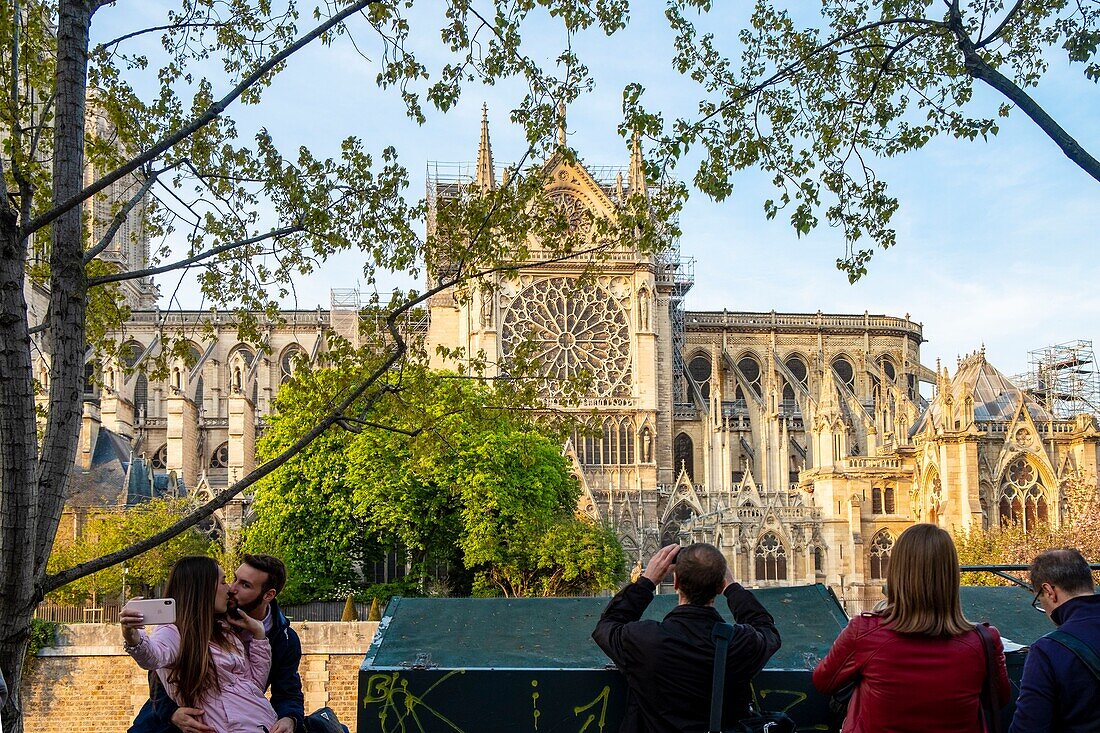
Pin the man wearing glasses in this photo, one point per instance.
(1060, 686)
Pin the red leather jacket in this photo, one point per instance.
(909, 682)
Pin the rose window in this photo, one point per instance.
(580, 218)
(576, 332)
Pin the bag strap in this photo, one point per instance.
(721, 635)
(991, 705)
(1083, 651)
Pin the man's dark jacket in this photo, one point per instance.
(669, 664)
(1057, 692)
(285, 683)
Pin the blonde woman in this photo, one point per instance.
(918, 664)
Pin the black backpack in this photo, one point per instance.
(324, 721)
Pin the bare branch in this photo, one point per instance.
(210, 114)
(149, 271)
(175, 26)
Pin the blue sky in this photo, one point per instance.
(996, 239)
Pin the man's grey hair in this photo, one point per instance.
(1065, 569)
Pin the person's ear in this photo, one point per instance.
(675, 581)
(269, 595)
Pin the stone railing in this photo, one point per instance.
(803, 321)
(873, 462)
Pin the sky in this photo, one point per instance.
(995, 240)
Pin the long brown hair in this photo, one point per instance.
(193, 583)
(922, 584)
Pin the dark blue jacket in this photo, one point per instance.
(1057, 692)
(285, 683)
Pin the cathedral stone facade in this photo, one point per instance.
(798, 443)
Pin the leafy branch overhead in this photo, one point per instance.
(817, 107)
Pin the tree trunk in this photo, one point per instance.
(34, 491)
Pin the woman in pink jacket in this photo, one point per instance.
(206, 659)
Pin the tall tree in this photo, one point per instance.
(818, 94)
(248, 215)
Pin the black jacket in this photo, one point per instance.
(285, 683)
(1057, 692)
(669, 664)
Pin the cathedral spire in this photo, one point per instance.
(636, 177)
(486, 178)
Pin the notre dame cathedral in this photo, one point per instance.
(798, 443)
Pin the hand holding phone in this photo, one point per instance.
(140, 611)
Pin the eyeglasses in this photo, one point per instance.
(1035, 602)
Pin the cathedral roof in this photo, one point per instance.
(995, 397)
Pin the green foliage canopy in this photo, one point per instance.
(443, 469)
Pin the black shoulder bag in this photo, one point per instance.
(762, 722)
(991, 704)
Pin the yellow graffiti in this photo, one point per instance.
(401, 710)
(535, 703)
(795, 698)
(602, 698)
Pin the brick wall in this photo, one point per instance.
(88, 684)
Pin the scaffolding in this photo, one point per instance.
(679, 273)
(1065, 378)
(343, 316)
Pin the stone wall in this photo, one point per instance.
(86, 683)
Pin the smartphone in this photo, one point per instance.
(157, 611)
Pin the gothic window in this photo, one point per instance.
(676, 520)
(797, 367)
(1023, 497)
(220, 457)
(771, 558)
(888, 369)
(576, 332)
(889, 503)
(750, 370)
(700, 369)
(935, 496)
(876, 500)
(845, 373)
(881, 546)
(159, 461)
(612, 445)
(199, 388)
(141, 397)
(90, 386)
(683, 455)
(292, 358)
(255, 393)
(129, 353)
(819, 560)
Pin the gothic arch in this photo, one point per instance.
(882, 544)
(674, 519)
(770, 556)
(683, 455)
(844, 369)
(290, 361)
(931, 495)
(1023, 494)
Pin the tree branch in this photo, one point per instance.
(977, 68)
(982, 43)
(115, 41)
(149, 271)
(120, 217)
(210, 114)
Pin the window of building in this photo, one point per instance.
(845, 373)
(292, 358)
(159, 461)
(220, 456)
(750, 370)
(141, 398)
(819, 560)
(797, 367)
(1023, 496)
(888, 504)
(881, 546)
(683, 455)
(771, 558)
(888, 369)
(612, 445)
(876, 500)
